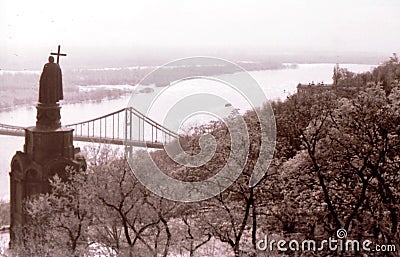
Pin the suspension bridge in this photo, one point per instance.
(126, 126)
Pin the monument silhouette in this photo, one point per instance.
(50, 83)
(47, 151)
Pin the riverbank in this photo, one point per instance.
(11, 99)
(20, 88)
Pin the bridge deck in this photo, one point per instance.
(125, 126)
(117, 141)
(114, 141)
(7, 132)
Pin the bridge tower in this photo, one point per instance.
(47, 151)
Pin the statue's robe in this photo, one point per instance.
(50, 85)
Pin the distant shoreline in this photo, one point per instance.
(22, 92)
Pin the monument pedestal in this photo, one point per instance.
(48, 116)
(48, 150)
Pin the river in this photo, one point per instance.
(277, 84)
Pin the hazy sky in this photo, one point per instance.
(33, 28)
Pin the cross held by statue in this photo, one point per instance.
(58, 54)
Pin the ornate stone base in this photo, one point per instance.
(48, 116)
(46, 152)
(45, 144)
